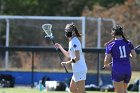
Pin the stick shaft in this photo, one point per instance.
(47, 29)
(59, 55)
(137, 47)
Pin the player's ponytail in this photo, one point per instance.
(121, 33)
(77, 32)
(125, 39)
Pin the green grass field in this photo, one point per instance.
(29, 90)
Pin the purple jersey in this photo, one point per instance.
(120, 51)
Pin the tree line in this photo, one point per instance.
(51, 7)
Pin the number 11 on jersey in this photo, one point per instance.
(122, 51)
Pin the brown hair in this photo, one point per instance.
(76, 31)
(117, 31)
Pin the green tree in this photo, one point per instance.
(50, 7)
(110, 3)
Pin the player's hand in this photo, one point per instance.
(106, 67)
(57, 45)
(64, 63)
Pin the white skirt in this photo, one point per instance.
(78, 76)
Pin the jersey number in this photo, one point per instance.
(122, 51)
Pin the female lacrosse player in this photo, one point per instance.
(77, 60)
(120, 50)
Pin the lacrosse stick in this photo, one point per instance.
(47, 29)
(111, 62)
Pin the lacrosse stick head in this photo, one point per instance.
(47, 29)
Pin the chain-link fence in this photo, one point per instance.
(27, 31)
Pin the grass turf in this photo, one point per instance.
(29, 90)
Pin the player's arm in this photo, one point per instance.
(77, 56)
(133, 53)
(66, 53)
(74, 60)
(76, 49)
(106, 60)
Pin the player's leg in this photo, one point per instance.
(119, 87)
(125, 87)
(118, 79)
(126, 80)
(81, 86)
(79, 78)
(73, 87)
